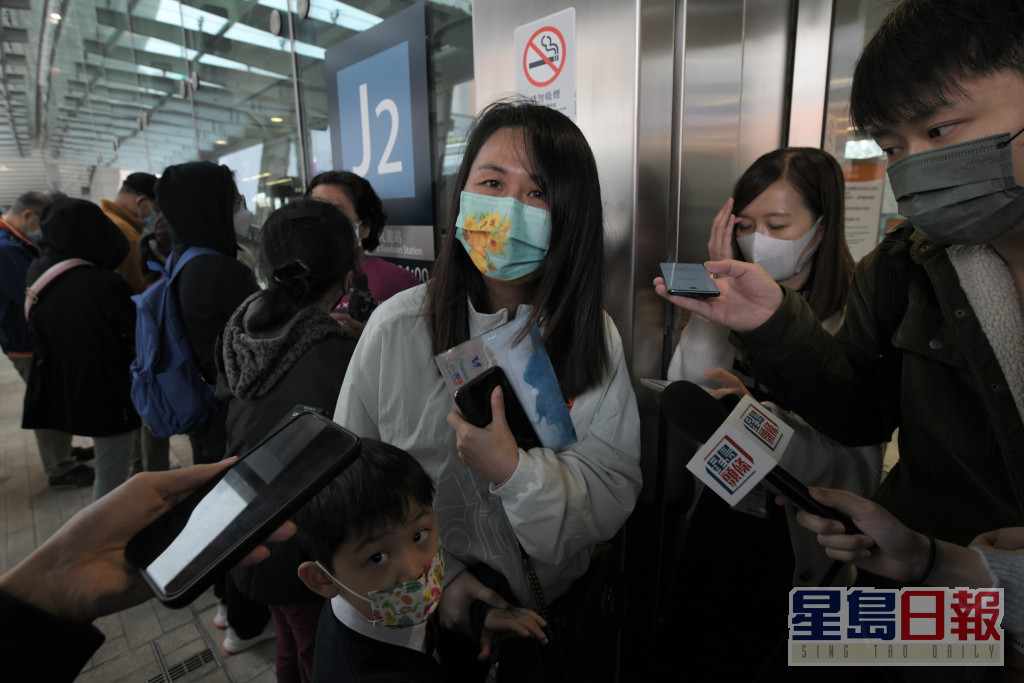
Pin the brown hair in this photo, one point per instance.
(818, 179)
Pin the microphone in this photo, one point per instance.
(740, 448)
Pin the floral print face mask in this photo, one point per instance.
(506, 239)
(404, 604)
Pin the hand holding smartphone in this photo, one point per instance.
(204, 535)
(688, 279)
(474, 400)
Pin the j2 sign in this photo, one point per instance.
(377, 99)
(376, 117)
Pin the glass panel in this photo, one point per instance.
(241, 85)
(870, 206)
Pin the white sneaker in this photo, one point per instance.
(220, 619)
(233, 644)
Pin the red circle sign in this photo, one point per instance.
(549, 56)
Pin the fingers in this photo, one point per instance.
(187, 479)
(1009, 538)
(819, 525)
(720, 242)
(497, 409)
(482, 592)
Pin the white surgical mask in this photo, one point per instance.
(780, 258)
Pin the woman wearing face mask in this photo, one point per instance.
(532, 165)
(786, 215)
(375, 279)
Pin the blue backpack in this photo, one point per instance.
(168, 389)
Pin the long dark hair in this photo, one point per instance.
(568, 292)
(364, 200)
(818, 179)
(305, 249)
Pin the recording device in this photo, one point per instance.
(181, 553)
(702, 418)
(474, 400)
(688, 279)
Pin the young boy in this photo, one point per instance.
(378, 559)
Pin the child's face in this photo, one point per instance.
(394, 555)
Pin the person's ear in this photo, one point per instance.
(26, 219)
(316, 581)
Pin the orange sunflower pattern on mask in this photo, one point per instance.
(486, 236)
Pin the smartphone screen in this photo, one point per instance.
(688, 279)
(183, 551)
(474, 400)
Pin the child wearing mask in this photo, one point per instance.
(378, 559)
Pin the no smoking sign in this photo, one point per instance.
(545, 61)
(544, 56)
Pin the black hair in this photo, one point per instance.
(924, 49)
(36, 201)
(306, 248)
(365, 201)
(373, 493)
(818, 179)
(568, 291)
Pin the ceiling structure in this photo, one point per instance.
(142, 84)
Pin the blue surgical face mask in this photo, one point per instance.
(506, 239)
(150, 223)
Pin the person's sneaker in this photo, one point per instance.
(220, 619)
(233, 644)
(83, 454)
(76, 478)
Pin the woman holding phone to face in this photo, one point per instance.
(532, 166)
(786, 215)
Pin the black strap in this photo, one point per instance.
(892, 284)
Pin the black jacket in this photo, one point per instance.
(83, 327)
(263, 375)
(197, 200)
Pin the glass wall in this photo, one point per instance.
(870, 206)
(137, 85)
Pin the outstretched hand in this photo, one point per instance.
(81, 572)
(490, 451)
(748, 295)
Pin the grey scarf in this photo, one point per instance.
(253, 365)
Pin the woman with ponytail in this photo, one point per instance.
(279, 348)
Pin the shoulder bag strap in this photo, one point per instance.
(51, 273)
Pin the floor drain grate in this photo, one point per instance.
(184, 668)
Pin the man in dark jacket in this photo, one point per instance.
(199, 200)
(16, 253)
(83, 328)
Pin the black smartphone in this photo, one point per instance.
(688, 279)
(181, 553)
(797, 492)
(474, 400)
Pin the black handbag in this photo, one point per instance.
(584, 623)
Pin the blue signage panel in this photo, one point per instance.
(379, 113)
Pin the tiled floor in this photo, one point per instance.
(147, 643)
